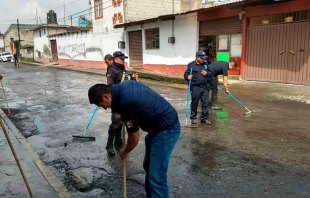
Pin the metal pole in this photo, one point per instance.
(71, 19)
(16, 158)
(37, 15)
(18, 54)
(64, 12)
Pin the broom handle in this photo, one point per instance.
(188, 94)
(5, 97)
(124, 166)
(235, 99)
(91, 119)
(16, 158)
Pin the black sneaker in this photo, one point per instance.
(110, 150)
(206, 122)
(216, 108)
(193, 121)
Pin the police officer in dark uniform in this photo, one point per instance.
(116, 73)
(199, 87)
(216, 69)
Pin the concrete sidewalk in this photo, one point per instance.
(37, 174)
(142, 74)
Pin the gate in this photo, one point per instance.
(54, 51)
(279, 53)
(135, 49)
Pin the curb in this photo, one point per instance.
(48, 174)
(144, 75)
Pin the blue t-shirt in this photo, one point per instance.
(141, 107)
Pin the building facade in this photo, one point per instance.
(11, 37)
(42, 43)
(269, 40)
(88, 48)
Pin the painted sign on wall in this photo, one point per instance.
(71, 50)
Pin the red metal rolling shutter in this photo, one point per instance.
(221, 26)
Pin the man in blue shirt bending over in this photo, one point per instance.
(141, 107)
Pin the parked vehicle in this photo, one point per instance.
(6, 56)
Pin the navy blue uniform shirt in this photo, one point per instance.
(198, 78)
(140, 106)
(219, 68)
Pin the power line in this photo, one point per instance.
(86, 13)
(42, 11)
(108, 1)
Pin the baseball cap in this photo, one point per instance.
(119, 54)
(201, 54)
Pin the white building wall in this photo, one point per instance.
(185, 46)
(39, 44)
(105, 25)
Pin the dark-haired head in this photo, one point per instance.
(108, 59)
(100, 95)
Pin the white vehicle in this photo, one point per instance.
(6, 56)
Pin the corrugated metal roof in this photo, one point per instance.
(21, 26)
(50, 25)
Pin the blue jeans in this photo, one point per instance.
(158, 151)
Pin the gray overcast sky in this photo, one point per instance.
(25, 11)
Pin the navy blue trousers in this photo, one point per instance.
(202, 94)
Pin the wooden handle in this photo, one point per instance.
(16, 158)
(124, 166)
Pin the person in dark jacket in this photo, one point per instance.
(216, 69)
(108, 59)
(116, 73)
(141, 107)
(199, 88)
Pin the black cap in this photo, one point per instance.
(119, 54)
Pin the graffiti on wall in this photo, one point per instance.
(71, 50)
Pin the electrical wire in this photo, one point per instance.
(101, 9)
(42, 11)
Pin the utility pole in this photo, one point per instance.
(71, 19)
(37, 15)
(64, 12)
(18, 51)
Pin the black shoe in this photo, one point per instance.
(206, 122)
(110, 150)
(216, 108)
(193, 121)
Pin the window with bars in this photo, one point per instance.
(152, 38)
(98, 9)
(281, 18)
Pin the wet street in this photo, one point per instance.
(265, 154)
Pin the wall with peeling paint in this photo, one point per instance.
(42, 46)
(87, 49)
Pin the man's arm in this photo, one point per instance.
(187, 75)
(132, 142)
(110, 76)
(131, 121)
(225, 83)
